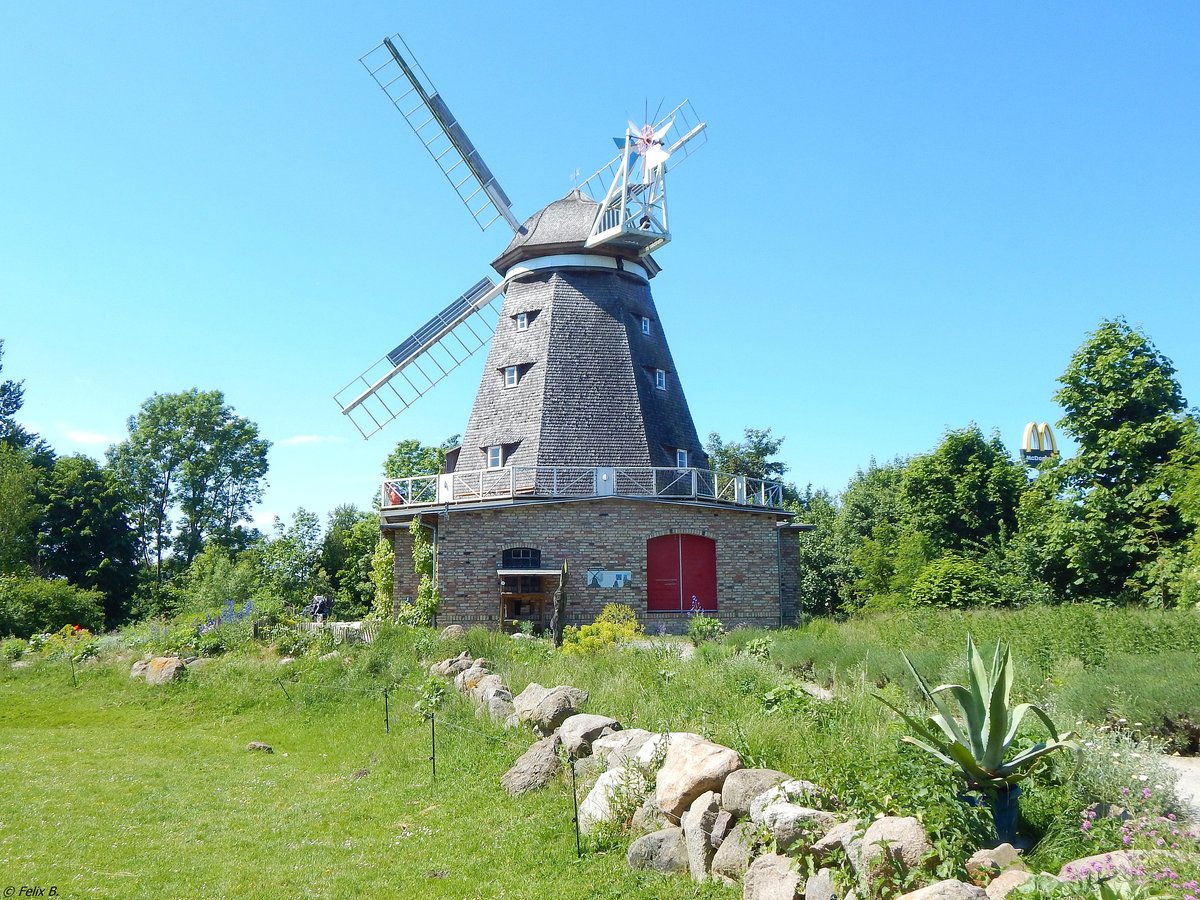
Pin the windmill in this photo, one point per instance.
(624, 203)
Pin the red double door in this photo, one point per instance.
(681, 572)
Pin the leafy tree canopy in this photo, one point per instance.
(410, 458)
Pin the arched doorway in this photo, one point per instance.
(681, 573)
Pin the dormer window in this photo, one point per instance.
(660, 379)
(495, 457)
(511, 376)
(645, 324)
(681, 459)
(522, 321)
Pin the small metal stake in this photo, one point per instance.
(387, 722)
(279, 681)
(71, 659)
(433, 745)
(575, 801)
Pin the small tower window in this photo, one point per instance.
(511, 376)
(660, 379)
(681, 459)
(522, 321)
(495, 457)
(645, 324)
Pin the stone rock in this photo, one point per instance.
(648, 817)
(660, 851)
(950, 889)
(619, 746)
(733, 856)
(771, 877)
(484, 687)
(1102, 864)
(500, 706)
(1005, 882)
(162, 669)
(580, 730)
(902, 838)
(467, 679)
(139, 669)
(987, 863)
(816, 691)
(260, 746)
(452, 666)
(546, 708)
(613, 789)
(803, 793)
(200, 663)
(697, 826)
(28, 664)
(287, 660)
(534, 769)
(692, 765)
(452, 631)
(331, 655)
(744, 785)
(522, 636)
(839, 837)
(793, 826)
(820, 886)
(722, 827)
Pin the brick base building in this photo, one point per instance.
(497, 565)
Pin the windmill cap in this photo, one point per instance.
(560, 227)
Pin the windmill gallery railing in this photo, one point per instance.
(517, 482)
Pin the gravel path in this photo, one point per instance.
(1188, 768)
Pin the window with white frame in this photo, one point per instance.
(681, 459)
(495, 457)
(645, 324)
(522, 321)
(660, 379)
(511, 376)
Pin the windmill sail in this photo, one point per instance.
(420, 361)
(411, 92)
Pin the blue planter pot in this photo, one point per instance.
(1005, 813)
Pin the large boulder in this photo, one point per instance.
(1117, 862)
(733, 856)
(452, 666)
(986, 864)
(580, 730)
(744, 785)
(892, 841)
(138, 670)
(803, 793)
(1004, 882)
(697, 833)
(793, 826)
(534, 769)
(771, 877)
(949, 889)
(661, 851)
(820, 886)
(452, 631)
(468, 679)
(691, 766)
(484, 686)
(843, 836)
(615, 791)
(619, 746)
(164, 668)
(648, 817)
(546, 708)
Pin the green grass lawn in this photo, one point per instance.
(116, 789)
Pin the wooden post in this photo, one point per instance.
(560, 608)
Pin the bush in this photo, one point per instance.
(12, 649)
(955, 582)
(703, 628)
(30, 606)
(615, 623)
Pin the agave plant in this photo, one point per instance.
(978, 743)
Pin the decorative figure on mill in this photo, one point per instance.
(580, 446)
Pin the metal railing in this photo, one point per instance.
(514, 482)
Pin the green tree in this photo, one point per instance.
(826, 569)
(346, 553)
(963, 493)
(410, 458)
(1104, 522)
(84, 535)
(18, 509)
(188, 458)
(752, 456)
(291, 559)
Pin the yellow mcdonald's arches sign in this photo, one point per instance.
(1038, 443)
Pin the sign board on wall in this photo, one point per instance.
(605, 578)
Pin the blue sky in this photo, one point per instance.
(906, 218)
